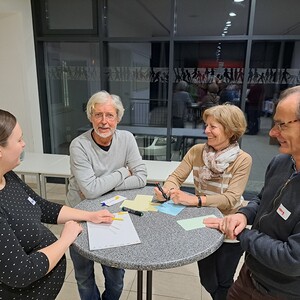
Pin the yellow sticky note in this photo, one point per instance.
(146, 198)
(152, 208)
(136, 205)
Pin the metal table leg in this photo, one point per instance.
(149, 285)
(139, 285)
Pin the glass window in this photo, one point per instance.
(206, 74)
(138, 73)
(276, 17)
(275, 63)
(141, 18)
(213, 17)
(274, 66)
(72, 76)
(69, 15)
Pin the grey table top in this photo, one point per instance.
(164, 243)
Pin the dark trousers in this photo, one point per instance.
(253, 120)
(246, 288)
(217, 270)
(86, 283)
(178, 123)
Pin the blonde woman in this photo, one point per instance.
(221, 171)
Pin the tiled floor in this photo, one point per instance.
(178, 283)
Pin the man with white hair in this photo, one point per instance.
(102, 159)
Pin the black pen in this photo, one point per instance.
(132, 211)
(162, 191)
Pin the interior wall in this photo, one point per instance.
(18, 78)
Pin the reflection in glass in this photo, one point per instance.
(200, 64)
(274, 66)
(282, 16)
(124, 18)
(72, 75)
(213, 73)
(69, 14)
(194, 17)
(138, 73)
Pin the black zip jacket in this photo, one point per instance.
(273, 244)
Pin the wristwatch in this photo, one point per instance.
(199, 201)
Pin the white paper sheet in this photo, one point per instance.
(113, 200)
(116, 234)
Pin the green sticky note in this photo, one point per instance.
(194, 223)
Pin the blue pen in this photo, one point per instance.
(104, 204)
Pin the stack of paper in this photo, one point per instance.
(120, 232)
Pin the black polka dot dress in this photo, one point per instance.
(22, 268)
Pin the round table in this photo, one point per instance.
(164, 243)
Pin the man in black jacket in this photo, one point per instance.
(272, 259)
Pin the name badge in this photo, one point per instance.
(283, 212)
(31, 200)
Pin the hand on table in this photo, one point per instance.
(101, 216)
(231, 225)
(180, 197)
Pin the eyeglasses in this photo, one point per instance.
(283, 125)
(100, 116)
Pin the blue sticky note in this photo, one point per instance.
(170, 208)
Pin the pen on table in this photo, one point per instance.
(162, 191)
(118, 219)
(132, 211)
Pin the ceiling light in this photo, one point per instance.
(232, 14)
(238, 0)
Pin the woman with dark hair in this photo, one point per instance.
(221, 171)
(32, 260)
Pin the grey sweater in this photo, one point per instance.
(95, 172)
(273, 244)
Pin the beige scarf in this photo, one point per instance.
(216, 162)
